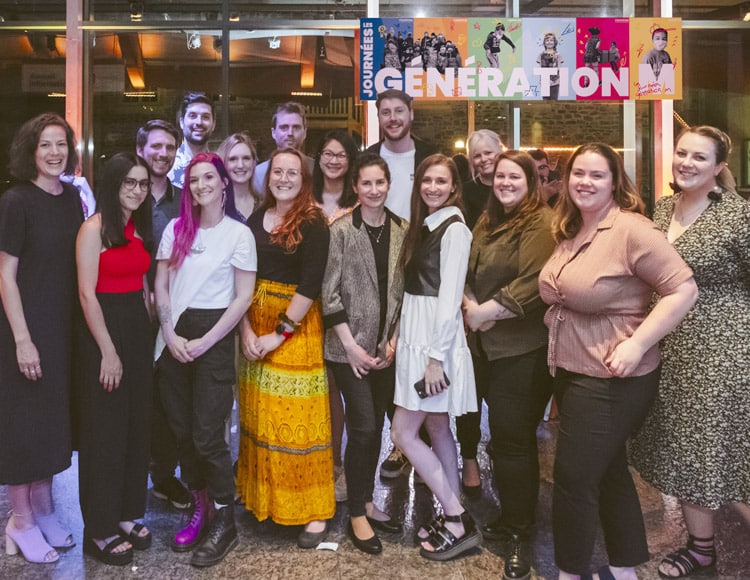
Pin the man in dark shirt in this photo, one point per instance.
(156, 143)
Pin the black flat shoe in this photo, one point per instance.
(389, 526)
(308, 540)
(495, 532)
(517, 565)
(369, 546)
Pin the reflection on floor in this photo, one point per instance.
(268, 551)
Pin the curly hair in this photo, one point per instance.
(304, 210)
(22, 164)
(567, 222)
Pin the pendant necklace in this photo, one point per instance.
(371, 231)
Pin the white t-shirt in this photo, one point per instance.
(402, 180)
(205, 279)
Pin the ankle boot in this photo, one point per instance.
(220, 540)
(190, 535)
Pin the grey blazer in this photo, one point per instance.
(350, 285)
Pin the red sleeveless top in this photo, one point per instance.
(121, 269)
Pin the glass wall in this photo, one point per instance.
(249, 56)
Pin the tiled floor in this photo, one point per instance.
(269, 551)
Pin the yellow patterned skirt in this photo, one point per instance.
(285, 468)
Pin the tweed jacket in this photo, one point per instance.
(350, 285)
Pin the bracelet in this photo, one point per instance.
(281, 330)
(284, 318)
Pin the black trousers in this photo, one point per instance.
(592, 482)
(197, 398)
(517, 390)
(367, 400)
(115, 426)
(164, 454)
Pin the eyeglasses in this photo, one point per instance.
(129, 183)
(290, 173)
(330, 155)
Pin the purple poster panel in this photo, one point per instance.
(602, 58)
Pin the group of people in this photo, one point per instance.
(360, 275)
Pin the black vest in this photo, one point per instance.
(422, 275)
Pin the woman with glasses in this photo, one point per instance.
(285, 468)
(332, 175)
(334, 194)
(114, 399)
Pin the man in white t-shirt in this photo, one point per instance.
(401, 150)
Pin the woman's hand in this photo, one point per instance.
(197, 346)
(28, 360)
(624, 359)
(434, 378)
(110, 372)
(268, 343)
(360, 361)
(390, 355)
(249, 343)
(178, 347)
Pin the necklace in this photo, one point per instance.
(372, 229)
(198, 246)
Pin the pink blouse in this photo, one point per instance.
(600, 291)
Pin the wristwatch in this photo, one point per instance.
(282, 331)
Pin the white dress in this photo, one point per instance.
(432, 326)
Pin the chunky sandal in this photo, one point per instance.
(684, 561)
(446, 546)
(106, 555)
(430, 529)
(136, 540)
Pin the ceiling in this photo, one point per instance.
(159, 11)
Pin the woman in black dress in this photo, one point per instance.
(39, 219)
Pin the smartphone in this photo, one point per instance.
(421, 389)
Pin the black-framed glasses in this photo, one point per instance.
(330, 155)
(129, 183)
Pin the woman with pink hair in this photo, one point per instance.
(204, 282)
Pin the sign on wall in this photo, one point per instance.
(522, 58)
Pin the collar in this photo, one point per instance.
(437, 218)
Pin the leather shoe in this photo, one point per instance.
(369, 546)
(517, 567)
(389, 526)
(220, 540)
(308, 540)
(495, 531)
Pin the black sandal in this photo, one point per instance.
(685, 563)
(430, 529)
(446, 546)
(106, 554)
(138, 542)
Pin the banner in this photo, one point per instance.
(522, 59)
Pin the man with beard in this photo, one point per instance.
(401, 150)
(156, 143)
(288, 129)
(197, 123)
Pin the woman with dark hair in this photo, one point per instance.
(114, 392)
(694, 443)
(604, 354)
(434, 374)
(204, 284)
(502, 307)
(285, 468)
(332, 174)
(362, 291)
(240, 159)
(332, 188)
(39, 219)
